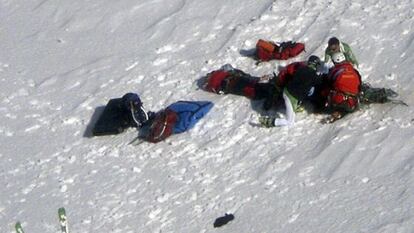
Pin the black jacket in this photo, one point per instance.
(303, 83)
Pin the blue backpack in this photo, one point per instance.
(177, 118)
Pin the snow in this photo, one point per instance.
(61, 61)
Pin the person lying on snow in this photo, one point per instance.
(294, 85)
(128, 111)
(337, 93)
(335, 46)
(297, 83)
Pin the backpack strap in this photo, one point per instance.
(164, 126)
(138, 113)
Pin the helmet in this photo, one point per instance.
(338, 57)
(314, 60)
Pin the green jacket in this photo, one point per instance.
(346, 50)
(294, 101)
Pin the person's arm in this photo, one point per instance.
(327, 56)
(353, 58)
(281, 79)
(350, 54)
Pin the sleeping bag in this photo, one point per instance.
(177, 118)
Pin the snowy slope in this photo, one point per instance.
(62, 60)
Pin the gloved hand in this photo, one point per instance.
(332, 118)
(267, 121)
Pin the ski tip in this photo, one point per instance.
(61, 212)
(18, 227)
(400, 102)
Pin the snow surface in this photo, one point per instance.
(61, 61)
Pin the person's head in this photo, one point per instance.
(338, 58)
(314, 62)
(334, 44)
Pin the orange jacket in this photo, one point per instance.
(344, 86)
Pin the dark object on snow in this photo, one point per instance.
(376, 95)
(371, 95)
(133, 104)
(303, 83)
(114, 119)
(221, 221)
(120, 114)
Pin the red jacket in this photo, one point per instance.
(287, 73)
(268, 50)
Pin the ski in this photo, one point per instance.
(63, 220)
(19, 228)
(400, 102)
(136, 141)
